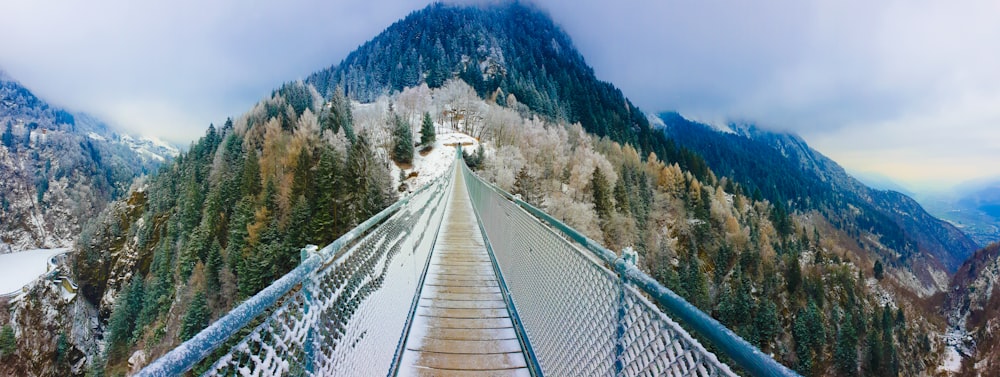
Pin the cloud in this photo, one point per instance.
(169, 68)
(908, 89)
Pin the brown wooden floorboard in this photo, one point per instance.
(462, 326)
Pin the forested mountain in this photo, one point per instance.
(500, 50)
(58, 168)
(783, 169)
(306, 164)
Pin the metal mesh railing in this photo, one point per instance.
(584, 310)
(339, 313)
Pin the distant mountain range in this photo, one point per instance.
(782, 168)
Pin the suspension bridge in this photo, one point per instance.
(463, 279)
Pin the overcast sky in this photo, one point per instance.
(907, 89)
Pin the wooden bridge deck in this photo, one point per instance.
(462, 326)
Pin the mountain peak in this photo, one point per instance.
(505, 51)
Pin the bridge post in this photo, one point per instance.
(309, 348)
(620, 327)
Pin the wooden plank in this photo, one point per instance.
(462, 304)
(446, 282)
(464, 323)
(468, 334)
(461, 289)
(488, 361)
(465, 296)
(462, 312)
(468, 346)
(418, 371)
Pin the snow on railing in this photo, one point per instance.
(585, 310)
(337, 313)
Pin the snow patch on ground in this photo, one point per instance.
(957, 341)
(438, 160)
(19, 269)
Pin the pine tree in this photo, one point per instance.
(402, 152)
(121, 324)
(251, 174)
(8, 136)
(846, 352)
(803, 342)
(8, 341)
(339, 115)
(303, 174)
(878, 270)
(212, 268)
(328, 216)
(766, 323)
(427, 133)
(524, 185)
(601, 189)
(622, 199)
(196, 318)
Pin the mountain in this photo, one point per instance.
(508, 53)
(782, 168)
(972, 307)
(58, 168)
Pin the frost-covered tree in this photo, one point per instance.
(427, 133)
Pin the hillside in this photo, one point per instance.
(57, 169)
(973, 311)
(784, 169)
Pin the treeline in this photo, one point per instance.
(227, 218)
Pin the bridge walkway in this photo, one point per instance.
(462, 326)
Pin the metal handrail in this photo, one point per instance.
(185, 356)
(744, 354)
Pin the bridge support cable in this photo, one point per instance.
(342, 311)
(587, 312)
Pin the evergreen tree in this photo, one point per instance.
(251, 174)
(846, 352)
(328, 217)
(296, 233)
(427, 133)
(601, 189)
(302, 175)
(212, 268)
(368, 181)
(8, 341)
(62, 346)
(8, 137)
(339, 115)
(766, 323)
(121, 324)
(803, 342)
(196, 318)
(622, 198)
(524, 185)
(878, 270)
(402, 152)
